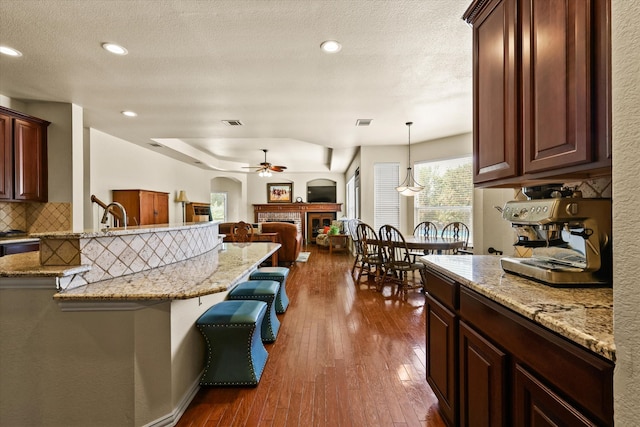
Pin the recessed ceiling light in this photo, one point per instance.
(114, 48)
(9, 51)
(129, 113)
(330, 46)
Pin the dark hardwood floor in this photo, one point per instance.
(345, 355)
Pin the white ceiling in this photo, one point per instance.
(192, 64)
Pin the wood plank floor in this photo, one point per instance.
(345, 355)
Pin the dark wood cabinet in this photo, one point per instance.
(441, 350)
(541, 90)
(489, 366)
(23, 156)
(317, 221)
(144, 207)
(495, 119)
(536, 405)
(483, 391)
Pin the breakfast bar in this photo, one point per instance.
(123, 350)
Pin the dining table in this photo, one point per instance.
(434, 244)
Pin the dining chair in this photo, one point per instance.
(425, 229)
(242, 232)
(458, 231)
(352, 229)
(372, 262)
(398, 263)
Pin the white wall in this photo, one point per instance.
(119, 164)
(257, 187)
(439, 149)
(626, 205)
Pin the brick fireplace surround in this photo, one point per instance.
(292, 212)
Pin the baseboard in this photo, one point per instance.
(172, 418)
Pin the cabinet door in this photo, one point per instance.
(535, 405)
(556, 84)
(161, 208)
(441, 357)
(6, 147)
(30, 161)
(495, 117)
(147, 208)
(482, 381)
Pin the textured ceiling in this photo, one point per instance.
(192, 64)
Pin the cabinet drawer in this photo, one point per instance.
(573, 372)
(443, 289)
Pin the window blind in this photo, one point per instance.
(386, 199)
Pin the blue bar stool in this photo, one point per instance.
(278, 274)
(235, 352)
(261, 290)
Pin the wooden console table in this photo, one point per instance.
(294, 212)
(338, 242)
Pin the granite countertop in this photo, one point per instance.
(582, 315)
(28, 265)
(211, 272)
(23, 239)
(121, 231)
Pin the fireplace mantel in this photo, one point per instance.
(296, 212)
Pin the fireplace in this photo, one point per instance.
(293, 212)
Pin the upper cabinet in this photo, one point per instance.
(23, 157)
(541, 90)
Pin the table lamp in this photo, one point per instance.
(182, 198)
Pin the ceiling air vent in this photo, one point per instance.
(155, 144)
(363, 122)
(232, 122)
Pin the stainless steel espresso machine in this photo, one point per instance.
(570, 239)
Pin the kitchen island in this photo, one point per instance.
(504, 349)
(120, 351)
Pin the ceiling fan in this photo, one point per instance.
(265, 167)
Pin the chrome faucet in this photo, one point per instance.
(106, 213)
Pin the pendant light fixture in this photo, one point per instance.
(409, 187)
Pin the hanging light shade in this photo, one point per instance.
(409, 187)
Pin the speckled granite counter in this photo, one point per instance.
(28, 265)
(582, 315)
(214, 271)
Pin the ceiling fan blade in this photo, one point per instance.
(277, 168)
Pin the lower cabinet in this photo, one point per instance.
(483, 391)
(489, 366)
(441, 357)
(536, 405)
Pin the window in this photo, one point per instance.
(386, 199)
(353, 195)
(448, 193)
(219, 206)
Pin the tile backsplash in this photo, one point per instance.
(35, 217)
(593, 188)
